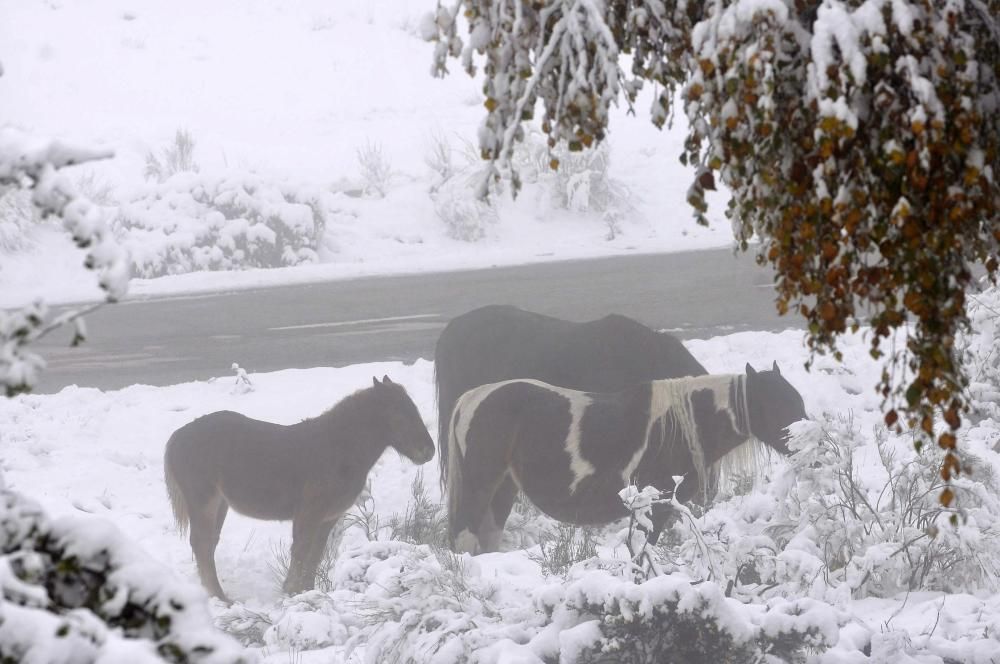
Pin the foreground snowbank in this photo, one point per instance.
(83, 450)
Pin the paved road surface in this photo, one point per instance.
(163, 341)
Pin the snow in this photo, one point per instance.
(290, 95)
(282, 100)
(87, 451)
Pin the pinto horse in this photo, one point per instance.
(500, 342)
(310, 472)
(571, 452)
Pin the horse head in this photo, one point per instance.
(404, 428)
(774, 403)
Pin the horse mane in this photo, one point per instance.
(673, 398)
(351, 401)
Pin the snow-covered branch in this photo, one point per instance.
(35, 164)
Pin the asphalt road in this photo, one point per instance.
(161, 341)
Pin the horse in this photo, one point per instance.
(310, 472)
(501, 342)
(570, 452)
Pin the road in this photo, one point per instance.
(161, 341)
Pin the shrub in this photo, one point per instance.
(191, 222)
(17, 216)
(577, 181)
(423, 522)
(75, 590)
(465, 217)
(376, 171)
(667, 620)
(853, 516)
(176, 158)
(565, 545)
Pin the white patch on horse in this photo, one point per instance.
(469, 403)
(580, 467)
(465, 409)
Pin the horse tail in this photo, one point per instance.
(448, 382)
(444, 420)
(454, 481)
(177, 501)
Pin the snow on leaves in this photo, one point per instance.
(35, 164)
(860, 138)
(74, 590)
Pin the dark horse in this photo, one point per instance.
(571, 452)
(501, 342)
(309, 473)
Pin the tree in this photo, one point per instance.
(860, 139)
(35, 164)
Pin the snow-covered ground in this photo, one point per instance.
(284, 97)
(290, 92)
(87, 451)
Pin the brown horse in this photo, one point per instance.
(309, 473)
(571, 452)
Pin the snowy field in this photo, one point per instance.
(323, 122)
(88, 452)
(262, 142)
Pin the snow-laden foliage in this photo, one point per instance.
(414, 604)
(76, 591)
(375, 169)
(17, 215)
(202, 222)
(177, 157)
(981, 355)
(860, 139)
(35, 165)
(581, 185)
(853, 515)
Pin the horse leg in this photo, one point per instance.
(316, 551)
(205, 528)
(491, 530)
(481, 477)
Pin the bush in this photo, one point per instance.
(17, 216)
(176, 158)
(667, 620)
(192, 222)
(376, 171)
(580, 181)
(465, 217)
(75, 590)
(423, 522)
(565, 545)
(853, 516)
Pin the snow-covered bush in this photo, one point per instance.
(192, 222)
(17, 216)
(981, 354)
(465, 217)
(667, 619)
(75, 591)
(573, 180)
(853, 516)
(564, 545)
(375, 168)
(176, 158)
(423, 522)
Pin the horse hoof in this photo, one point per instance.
(466, 542)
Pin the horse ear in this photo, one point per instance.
(375, 381)
(750, 370)
(386, 381)
(775, 368)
